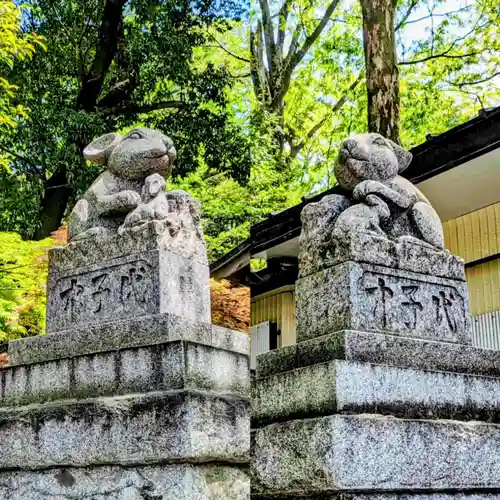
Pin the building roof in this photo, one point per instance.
(437, 155)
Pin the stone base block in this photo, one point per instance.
(130, 332)
(128, 275)
(372, 453)
(154, 428)
(494, 495)
(171, 365)
(410, 255)
(165, 482)
(381, 349)
(351, 387)
(382, 299)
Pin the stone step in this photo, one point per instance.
(494, 495)
(175, 426)
(379, 348)
(171, 365)
(352, 387)
(131, 332)
(165, 482)
(375, 454)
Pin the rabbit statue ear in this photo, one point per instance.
(99, 150)
(403, 156)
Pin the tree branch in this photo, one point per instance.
(268, 31)
(475, 82)
(444, 14)
(132, 109)
(109, 33)
(295, 149)
(257, 68)
(406, 15)
(300, 54)
(437, 56)
(227, 51)
(282, 19)
(33, 167)
(294, 58)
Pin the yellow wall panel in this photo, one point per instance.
(276, 306)
(483, 282)
(475, 235)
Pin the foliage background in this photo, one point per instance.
(191, 72)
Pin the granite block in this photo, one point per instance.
(172, 365)
(150, 237)
(280, 360)
(231, 340)
(147, 283)
(381, 349)
(376, 454)
(382, 299)
(129, 332)
(378, 250)
(154, 482)
(140, 429)
(459, 495)
(352, 387)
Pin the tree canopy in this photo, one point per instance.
(14, 46)
(256, 105)
(111, 64)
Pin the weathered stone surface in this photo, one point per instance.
(231, 340)
(463, 495)
(149, 237)
(317, 249)
(381, 349)
(284, 359)
(165, 482)
(376, 298)
(316, 254)
(130, 332)
(158, 427)
(154, 282)
(351, 387)
(160, 367)
(376, 454)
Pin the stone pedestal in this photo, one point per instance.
(383, 397)
(140, 273)
(132, 394)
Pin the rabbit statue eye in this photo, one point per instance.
(379, 141)
(134, 135)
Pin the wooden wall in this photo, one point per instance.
(476, 235)
(476, 238)
(277, 305)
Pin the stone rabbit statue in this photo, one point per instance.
(142, 153)
(387, 204)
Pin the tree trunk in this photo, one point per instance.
(57, 192)
(382, 78)
(55, 200)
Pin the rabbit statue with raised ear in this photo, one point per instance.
(117, 191)
(385, 203)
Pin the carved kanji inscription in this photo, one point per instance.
(96, 295)
(395, 303)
